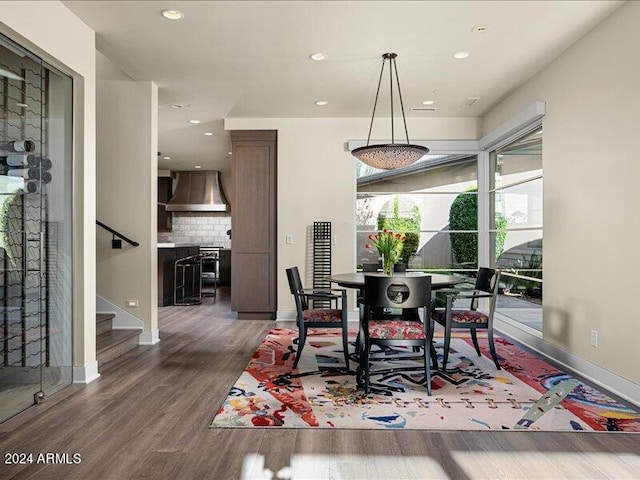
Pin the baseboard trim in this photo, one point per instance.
(86, 374)
(149, 338)
(608, 380)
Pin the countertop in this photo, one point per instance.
(183, 245)
(177, 245)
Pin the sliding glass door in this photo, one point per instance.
(35, 229)
(515, 192)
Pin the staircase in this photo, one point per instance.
(110, 344)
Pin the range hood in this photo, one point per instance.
(198, 192)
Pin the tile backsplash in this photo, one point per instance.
(201, 228)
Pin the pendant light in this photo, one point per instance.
(392, 155)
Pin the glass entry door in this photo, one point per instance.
(35, 229)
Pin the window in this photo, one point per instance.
(515, 192)
(421, 201)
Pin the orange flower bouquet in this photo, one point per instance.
(389, 247)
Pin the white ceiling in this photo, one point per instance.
(251, 59)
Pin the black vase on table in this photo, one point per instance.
(371, 267)
(400, 267)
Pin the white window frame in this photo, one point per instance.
(520, 125)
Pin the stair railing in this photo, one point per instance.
(116, 242)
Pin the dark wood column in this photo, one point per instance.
(253, 249)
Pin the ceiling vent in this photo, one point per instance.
(424, 109)
(469, 101)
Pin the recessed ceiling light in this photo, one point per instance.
(428, 102)
(461, 55)
(194, 121)
(167, 158)
(479, 29)
(179, 105)
(322, 103)
(23, 105)
(172, 14)
(318, 57)
(229, 153)
(208, 134)
(198, 166)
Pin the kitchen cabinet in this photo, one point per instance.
(253, 251)
(165, 185)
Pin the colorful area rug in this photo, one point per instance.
(527, 394)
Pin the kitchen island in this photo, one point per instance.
(168, 253)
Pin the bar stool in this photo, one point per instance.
(209, 273)
(188, 280)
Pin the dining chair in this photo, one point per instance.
(309, 317)
(486, 286)
(395, 292)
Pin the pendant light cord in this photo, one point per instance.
(375, 103)
(392, 66)
(404, 119)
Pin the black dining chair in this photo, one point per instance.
(318, 317)
(395, 292)
(486, 286)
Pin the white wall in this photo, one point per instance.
(316, 181)
(127, 164)
(51, 31)
(591, 173)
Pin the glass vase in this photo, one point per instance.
(387, 265)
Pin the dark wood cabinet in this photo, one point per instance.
(165, 186)
(253, 251)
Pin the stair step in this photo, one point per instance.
(104, 322)
(112, 344)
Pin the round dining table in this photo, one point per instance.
(356, 279)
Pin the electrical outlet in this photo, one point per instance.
(289, 238)
(132, 303)
(594, 338)
(333, 240)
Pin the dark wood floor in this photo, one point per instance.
(147, 417)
